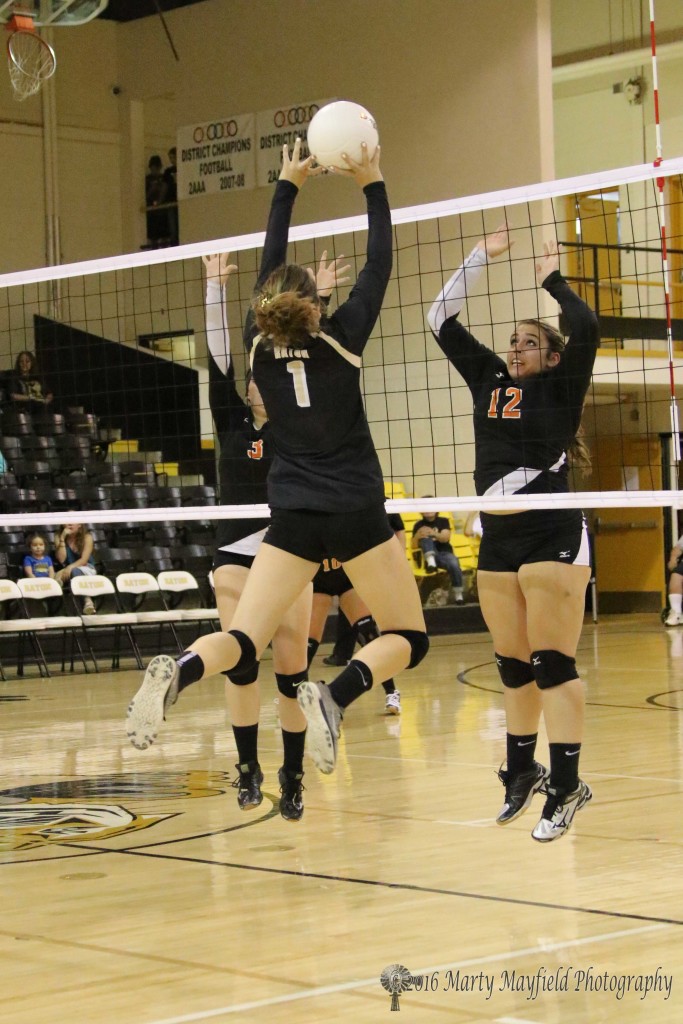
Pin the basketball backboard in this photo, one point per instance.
(62, 13)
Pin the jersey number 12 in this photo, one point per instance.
(510, 410)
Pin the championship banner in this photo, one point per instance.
(276, 127)
(216, 156)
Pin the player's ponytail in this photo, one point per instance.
(577, 451)
(287, 309)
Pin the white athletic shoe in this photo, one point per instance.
(673, 619)
(559, 811)
(392, 705)
(147, 710)
(324, 718)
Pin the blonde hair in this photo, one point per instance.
(287, 309)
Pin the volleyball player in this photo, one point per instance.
(245, 458)
(331, 581)
(346, 636)
(533, 565)
(325, 486)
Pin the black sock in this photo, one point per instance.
(246, 738)
(346, 639)
(294, 743)
(564, 766)
(313, 646)
(190, 669)
(355, 680)
(520, 751)
(389, 687)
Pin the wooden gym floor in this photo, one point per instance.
(136, 892)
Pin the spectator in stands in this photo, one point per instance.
(37, 563)
(675, 567)
(155, 195)
(170, 180)
(26, 387)
(473, 526)
(432, 536)
(74, 548)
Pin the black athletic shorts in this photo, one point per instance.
(318, 535)
(232, 558)
(540, 535)
(332, 581)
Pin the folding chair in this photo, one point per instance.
(20, 627)
(141, 588)
(175, 586)
(45, 589)
(99, 589)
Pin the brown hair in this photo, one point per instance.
(34, 363)
(287, 309)
(77, 538)
(577, 451)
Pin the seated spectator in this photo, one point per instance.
(38, 563)
(26, 386)
(432, 535)
(74, 548)
(473, 525)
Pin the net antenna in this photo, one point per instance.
(675, 423)
(31, 60)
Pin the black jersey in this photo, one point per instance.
(395, 521)
(324, 458)
(244, 450)
(523, 428)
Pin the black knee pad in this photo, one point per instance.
(287, 685)
(513, 672)
(247, 655)
(419, 643)
(245, 676)
(366, 630)
(552, 668)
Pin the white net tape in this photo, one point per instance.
(418, 409)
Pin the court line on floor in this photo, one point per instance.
(347, 986)
(151, 850)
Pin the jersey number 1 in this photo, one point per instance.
(298, 372)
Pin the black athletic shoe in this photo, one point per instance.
(335, 660)
(520, 790)
(248, 785)
(291, 800)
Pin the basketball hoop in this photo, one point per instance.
(31, 59)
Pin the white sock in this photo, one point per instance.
(675, 603)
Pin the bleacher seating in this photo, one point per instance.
(67, 462)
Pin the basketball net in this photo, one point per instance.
(31, 60)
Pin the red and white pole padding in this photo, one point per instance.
(675, 423)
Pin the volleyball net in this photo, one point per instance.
(121, 346)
